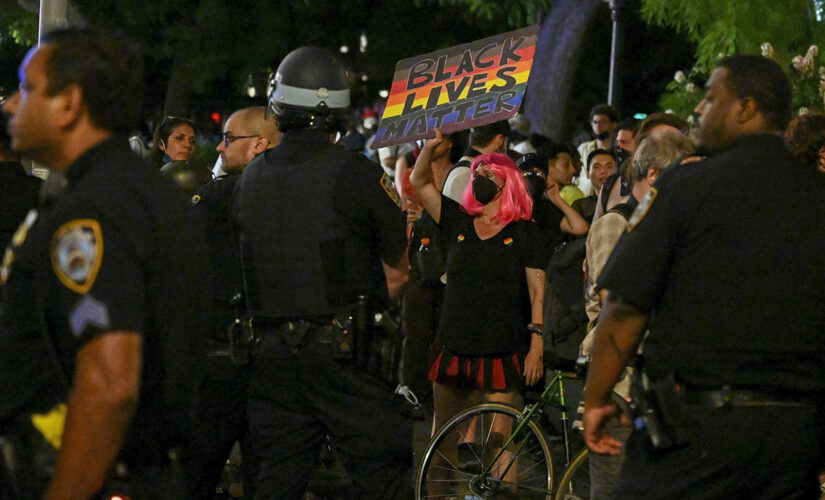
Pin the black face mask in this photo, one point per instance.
(603, 136)
(621, 155)
(535, 185)
(484, 189)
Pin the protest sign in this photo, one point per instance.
(465, 86)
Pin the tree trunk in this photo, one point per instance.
(558, 52)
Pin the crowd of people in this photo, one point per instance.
(684, 262)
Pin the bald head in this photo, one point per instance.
(255, 121)
(247, 133)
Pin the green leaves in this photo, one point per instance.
(727, 27)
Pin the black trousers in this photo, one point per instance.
(739, 452)
(220, 421)
(298, 396)
(422, 312)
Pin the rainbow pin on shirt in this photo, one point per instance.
(508, 241)
(460, 238)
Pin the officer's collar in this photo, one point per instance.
(83, 163)
(763, 139)
(307, 135)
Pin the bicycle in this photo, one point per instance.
(492, 450)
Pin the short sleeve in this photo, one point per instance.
(369, 200)
(451, 216)
(602, 239)
(638, 267)
(535, 253)
(455, 183)
(100, 280)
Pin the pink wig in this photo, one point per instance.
(516, 203)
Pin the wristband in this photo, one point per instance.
(536, 328)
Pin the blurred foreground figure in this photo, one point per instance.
(725, 257)
(97, 364)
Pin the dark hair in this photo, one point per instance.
(532, 160)
(167, 125)
(764, 81)
(108, 69)
(631, 124)
(482, 136)
(551, 149)
(604, 109)
(596, 152)
(460, 141)
(805, 137)
(656, 119)
(162, 133)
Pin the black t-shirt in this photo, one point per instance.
(548, 218)
(120, 250)
(486, 303)
(727, 254)
(586, 207)
(213, 203)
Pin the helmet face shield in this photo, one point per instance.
(309, 98)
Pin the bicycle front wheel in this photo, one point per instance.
(575, 482)
(477, 454)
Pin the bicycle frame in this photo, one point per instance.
(537, 408)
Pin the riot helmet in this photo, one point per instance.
(310, 89)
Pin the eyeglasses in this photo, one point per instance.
(229, 138)
(533, 171)
(489, 174)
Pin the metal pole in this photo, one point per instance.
(53, 15)
(615, 51)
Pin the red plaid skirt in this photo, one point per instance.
(486, 373)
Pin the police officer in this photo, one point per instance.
(732, 379)
(222, 394)
(317, 223)
(97, 336)
(17, 190)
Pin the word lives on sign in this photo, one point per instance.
(458, 88)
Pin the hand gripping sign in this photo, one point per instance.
(458, 88)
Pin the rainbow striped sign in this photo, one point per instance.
(465, 86)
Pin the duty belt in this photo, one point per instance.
(728, 397)
(300, 332)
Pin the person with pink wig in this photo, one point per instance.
(490, 328)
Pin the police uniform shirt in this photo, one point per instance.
(119, 251)
(728, 255)
(19, 194)
(213, 203)
(317, 220)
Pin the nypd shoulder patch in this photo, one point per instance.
(641, 209)
(387, 185)
(76, 253)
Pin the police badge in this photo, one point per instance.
(76, 253)
(641, 209)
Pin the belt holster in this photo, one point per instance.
(296, 334)
(658, 407)
(243, 341)
(343, 336)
